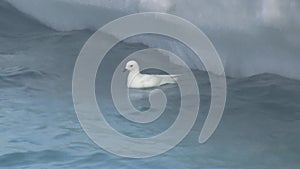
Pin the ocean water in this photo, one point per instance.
(260, 128)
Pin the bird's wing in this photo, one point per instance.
(167, 79)
(168, 76)
(149, 80)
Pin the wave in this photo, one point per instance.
(21, 159)
(77, 14)
(21, 72)
(22, 77)
(255, 37)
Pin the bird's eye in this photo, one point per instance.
(131, 65)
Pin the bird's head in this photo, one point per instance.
(132, 66)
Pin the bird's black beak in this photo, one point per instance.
(124, 70)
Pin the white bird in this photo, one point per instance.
(137, 80)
